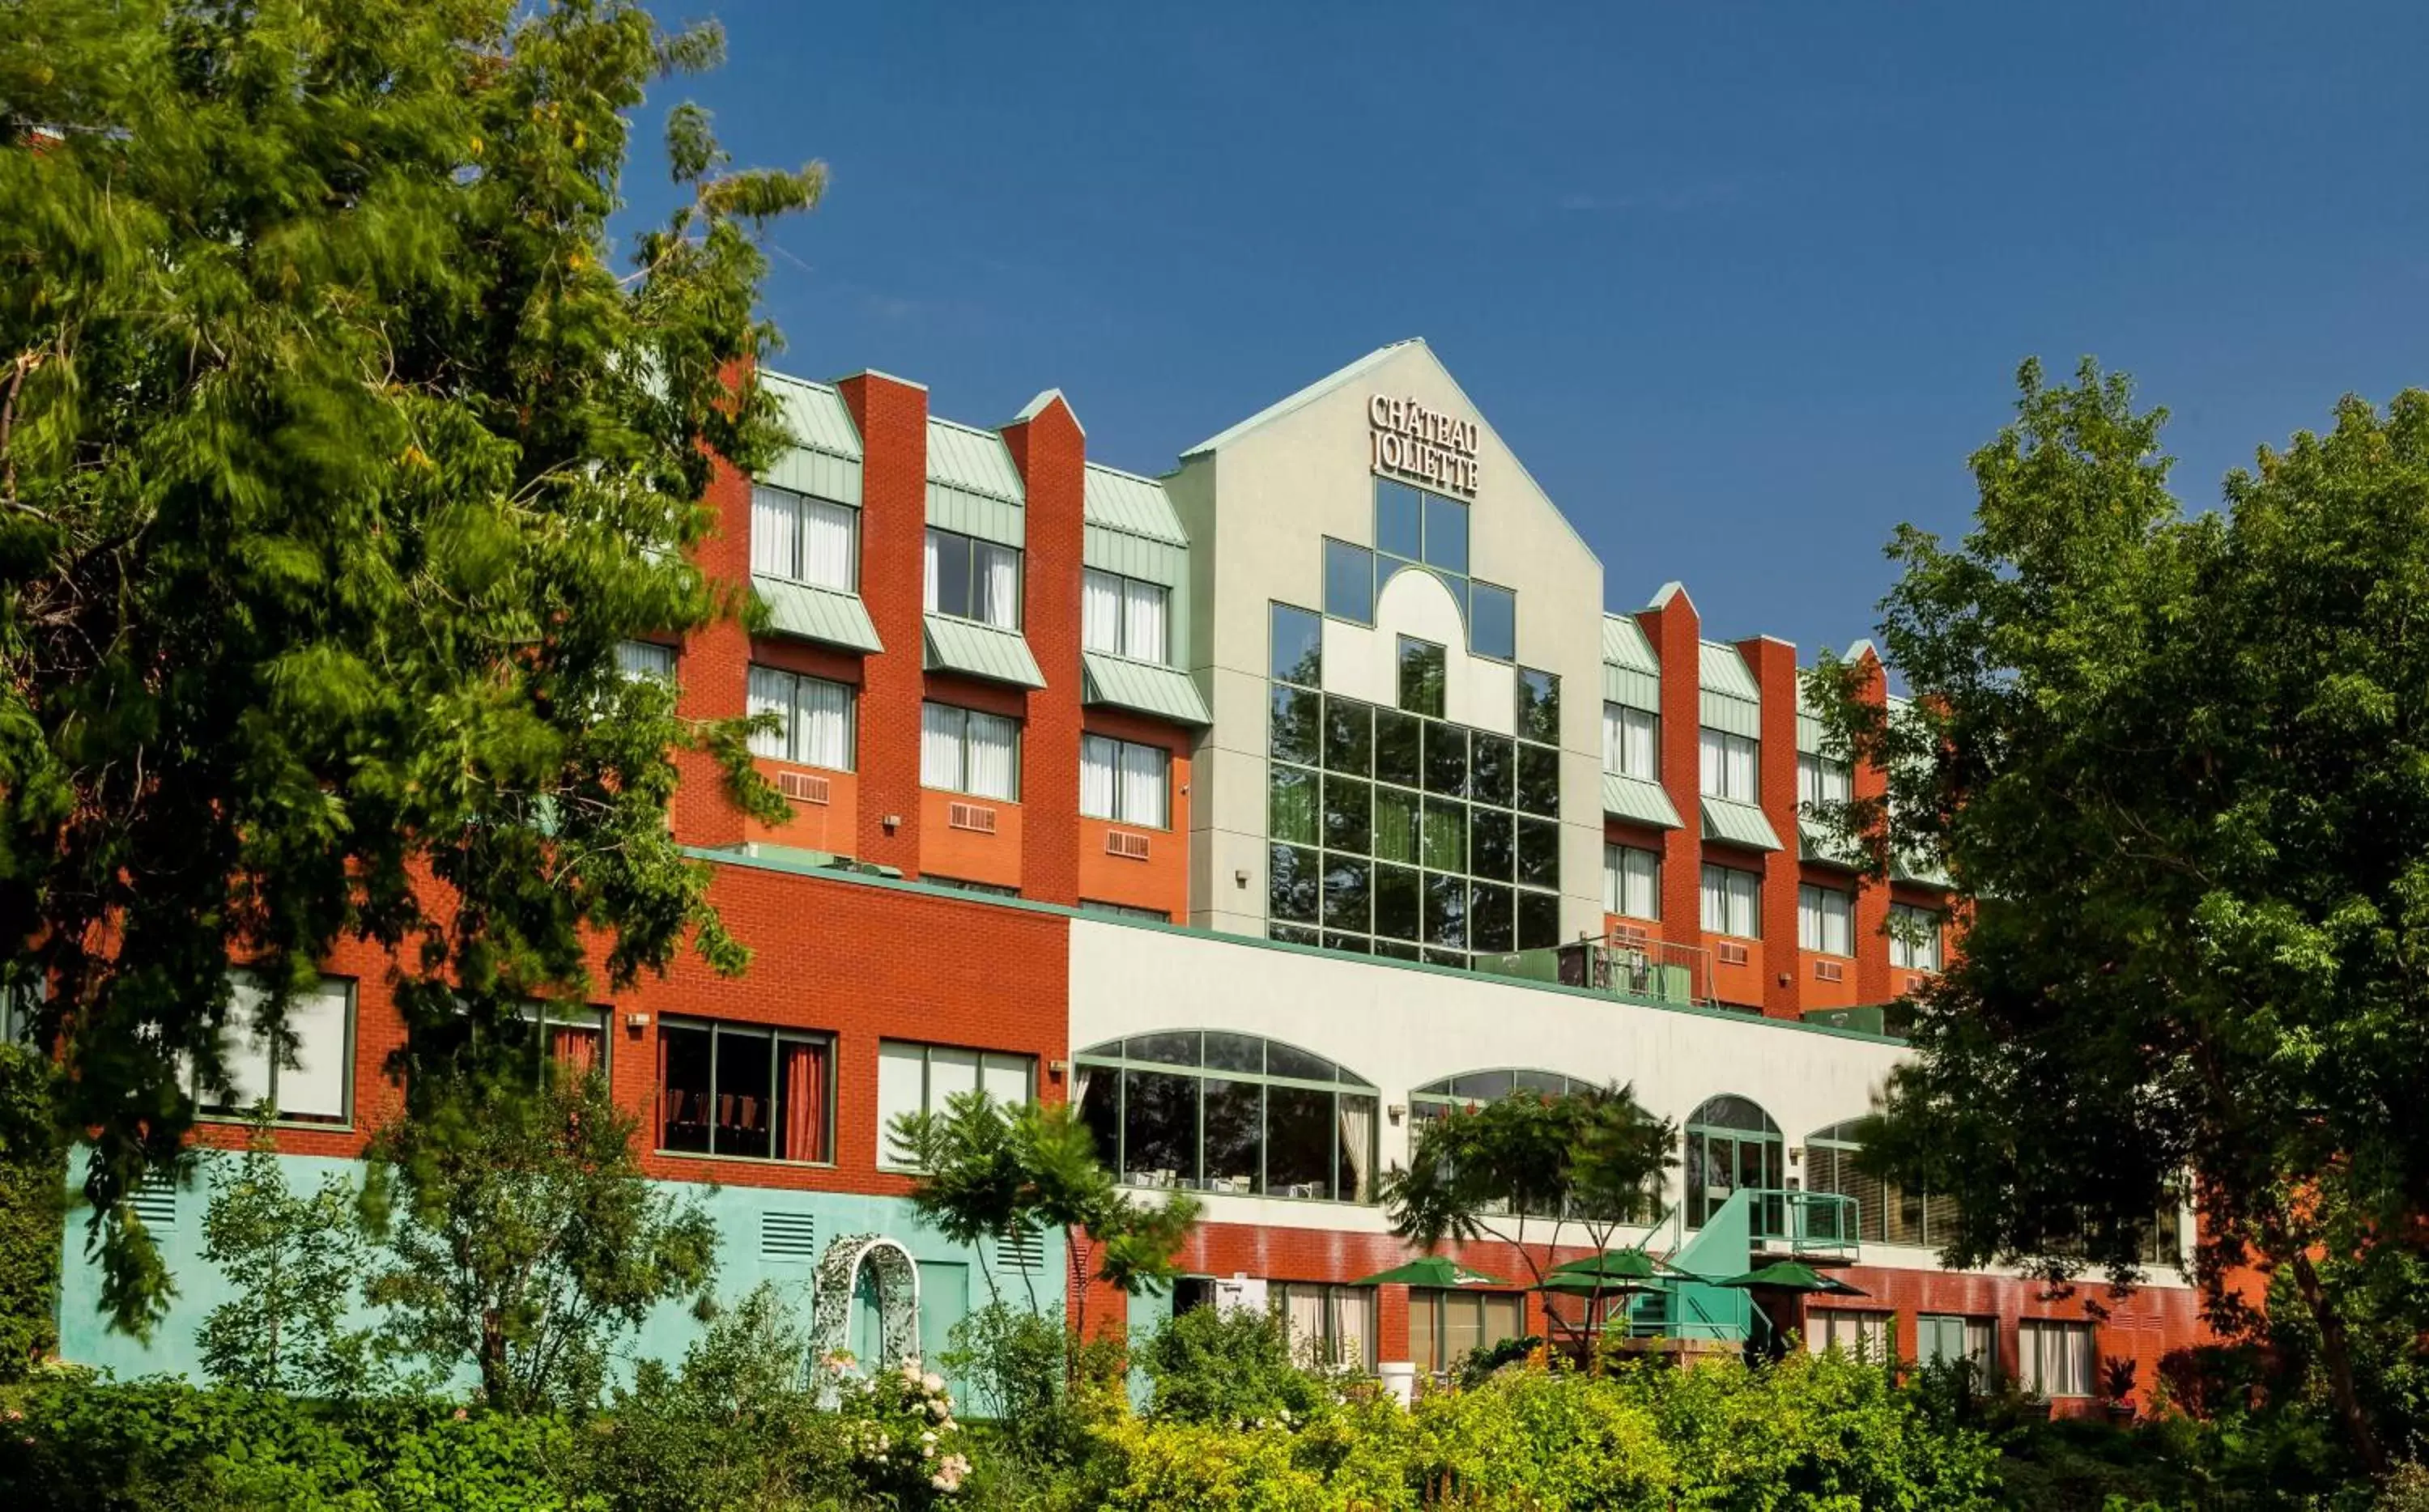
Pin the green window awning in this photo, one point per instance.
(1633, 797)
(980, 651)
(813, 613)
(1824, 846)
(1740, 824)
(1165, 692)
(1922, 871)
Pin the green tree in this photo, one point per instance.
(989, 1171)
(296, 1266)
(33, 1204)
(336, 460)
(1591, 1159)
(2179, 770)
(522, 1238)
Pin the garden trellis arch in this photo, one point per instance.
(898, 1297)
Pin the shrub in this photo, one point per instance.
(33, 1208)
(1036, 1388)
(1227, 1366)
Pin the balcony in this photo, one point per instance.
(1652, 971)
(1818, 1227)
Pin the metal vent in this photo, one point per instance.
(1627, 937)
(1830, 971)
(1730, 955)
(970, 816)
(803, 787)
(154, 1201)
(1132, 847)
(1019, 1249)
(788, 1237)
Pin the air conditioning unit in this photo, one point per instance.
(1627, 937)
(1127, 846)
(1729, 954)
(1914, 984)
(1830, 971)
(803, 787)
(972, 816)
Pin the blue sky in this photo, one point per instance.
(1742, 285)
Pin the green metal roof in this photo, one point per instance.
(816, 415)
(1720, 670)
(1306, 396)
(980, 651)
(1128, 502)
(1634, 797)
(972, 460)
(1740, 824)
(1624, 644)
(1907, 869)
(1823, 845)
(1809, 728)
(813, 613)
(1165, 692)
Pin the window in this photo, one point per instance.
(808, 540)
(1631, 742)
(1883, 1212)
(1124, 782)
(814, 718)
(1331, 1326)
(959, 885)
(645, 659)
(1446, 1326)
(1820, 781)
(1123, 616)
(1224, 1112)
(971, 579)
(1539, 707)
(312, 1088)
(746, 1090)
(1493, 622)
(1297, 647)
(1824, 920)
(1632, 881)
(1732, 902)
(1914, 938)
(923, 1079)
(962, 751)
(1421, 677)
(1123, 911)
(1941, 1338)
(1348, 581)
(1864, 1336)
(2053, 1358)
(1728, 764)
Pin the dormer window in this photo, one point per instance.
(804, 539)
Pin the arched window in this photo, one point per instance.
(1215, 1111)
(1884, 1213)
(1731, 1143)
(1469, 1088)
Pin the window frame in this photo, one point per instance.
(2031, 1333)
(927, 1049)
(1614, 881)
(1904, 950)
(633, 650)
(1118, 1064)
(1753, 901)
(1121, 748)
(1824, 1327)
(963, 747)
(1325, 1352)
(797, 504)
(1816, 775)
(1123, 582)
(971, 546)
(791, 733)
(1616, 718)
(1714, 750)
(1438, 1301)
(1810, 907)
(778, 1036)
(274, 1065)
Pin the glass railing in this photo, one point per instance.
(1805, 1222)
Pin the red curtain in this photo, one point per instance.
(576, 1050)
(805, 1102)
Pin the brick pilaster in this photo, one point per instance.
(1875, 982)
(1050, 452)
(893, 419)
(1774, 663)
(1675, 630)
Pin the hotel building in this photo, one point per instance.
(1262, 810)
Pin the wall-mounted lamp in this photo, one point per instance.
(1056, 1068)
(637, 1022)
(1240, 878)
(1398, 1111)
(892, 822)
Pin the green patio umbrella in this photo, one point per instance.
(1626, 1265)
(1430, 1271)
(1788, 1275)
(1573, 1284)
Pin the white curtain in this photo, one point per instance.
(774, 524)
(772, 691)
(1612, 738)
(1729, 901)
(1143, 613)
(1637, 754)
(1009, 1079)
(1305, 1309)
(1627, 882)
(1100, 611)
(315, 1086)
(1358, 1145)
(827, 539)
(940, 742)
(994, 754)
(1740, 752)
(822, 724)
(999, 587)
(1712, 769)
(641, 658)
(929, 600)
(902, 1071)
(1611, 888)
(1098, 758)
(1143, 785)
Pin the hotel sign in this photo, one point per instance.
(1422, 445)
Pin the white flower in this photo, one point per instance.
(933, 1382)
(928, 1438)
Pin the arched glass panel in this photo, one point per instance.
(1732, 1145)
(1216, 1112)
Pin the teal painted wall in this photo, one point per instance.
(952, 1280)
